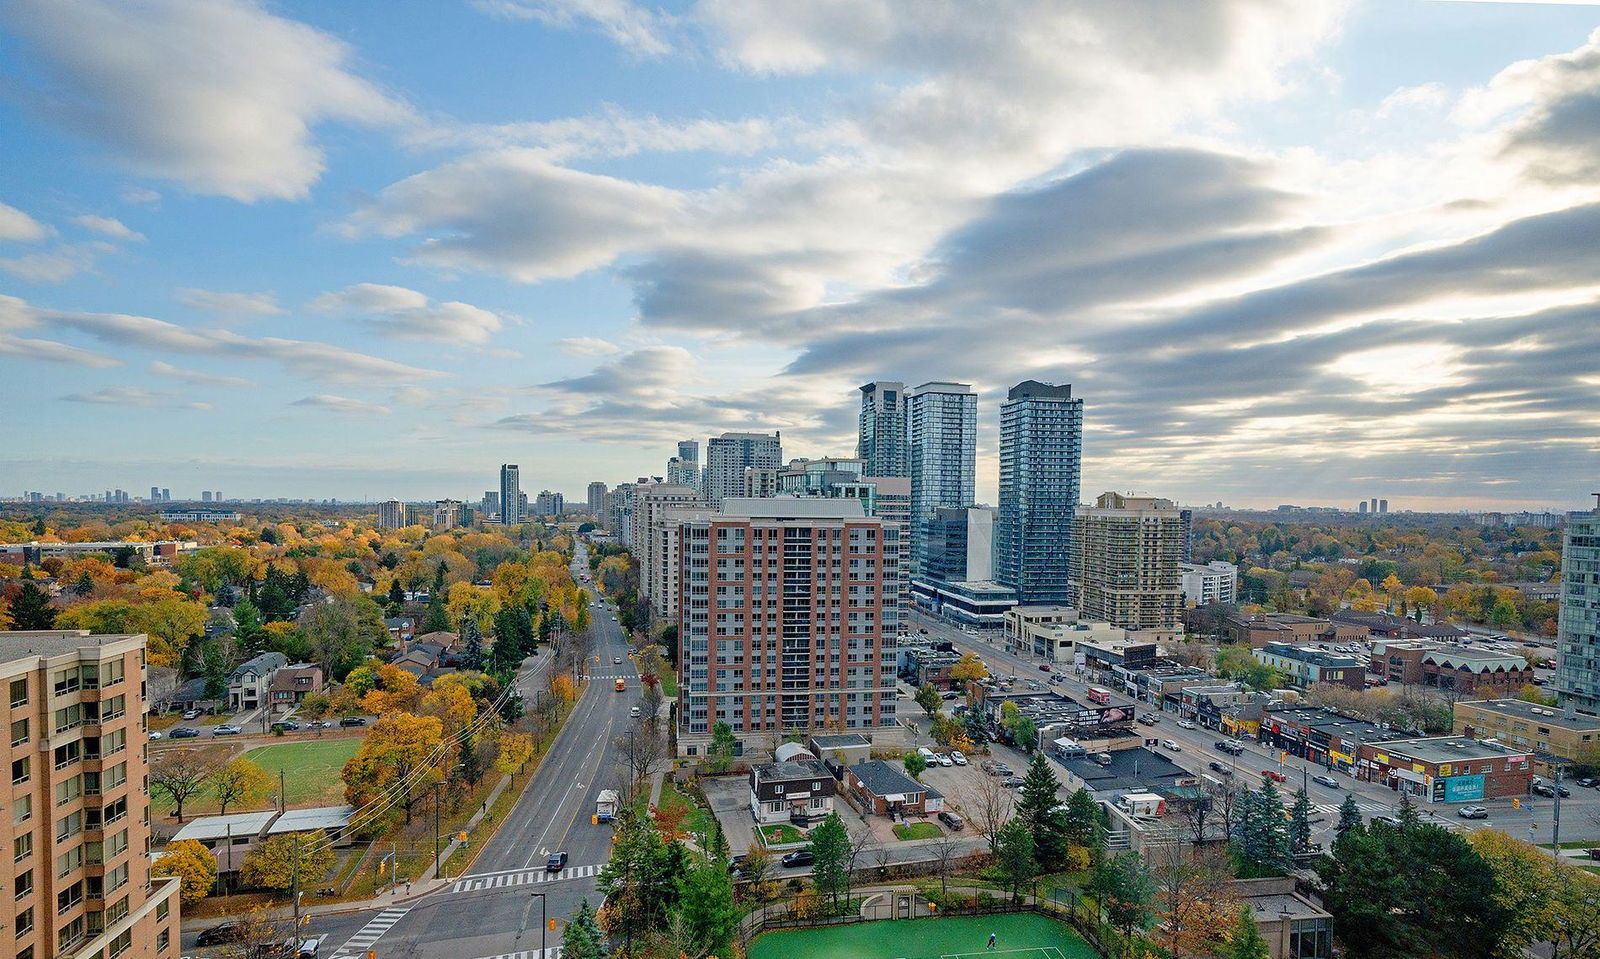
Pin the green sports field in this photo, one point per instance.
(1021, 935)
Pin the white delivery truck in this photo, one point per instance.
(606, 805)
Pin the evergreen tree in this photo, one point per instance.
(977, 729)
(276, 601)
(705, 901)
(717, 843)
(1013, 854)
(582, 939)
(247, 631)
(1407, 812)
(215, 666)
(1082, 823)
(397, 597)
(472, 655)
(38, 526)
(437, 619)
(300, 586)
(438, 579)
(31, 609)
(1245, 941)
(1262, 839)
(472, 766)
(1349, 815)
(1125, 889)
(640, 881)
(830, 851)
(1300, 822)
(85, 584)
(269, 535)
(1036, 807)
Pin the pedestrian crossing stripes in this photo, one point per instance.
(549, 952)
(520, 878)
(371, 932)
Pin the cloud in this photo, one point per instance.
(220, 96)
(1421, 98)
(511, 211)
(56, 265)
(342, 404)
(164, 369)
(587, 346)
(19, 226)
(633, 27)
(108, 226)
(1558, 137)
(229, 304)
(613, 132)
(136, 396)
(49, 351)
(140, 196)
(397, 311)
(312, 360)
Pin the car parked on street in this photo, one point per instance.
(1229, 747)
(226, 729)
(944, 759)
(154, 734)
(285, 726)
(182, 732)
(800, 857)
(1587, 782)
(1186, 724)
(353, 721)
(958, 758)
(1472, 812)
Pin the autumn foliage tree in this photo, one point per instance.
(401, 758)
(193, 864)
(282, 861)
(238, 781)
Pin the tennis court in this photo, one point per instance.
(1021, 935)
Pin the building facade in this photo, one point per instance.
(1305, 666)
(391, 515)
(1578, 638)
(1041, 448)
(729, 455)
(881, 430)
(1215, 582)
(1458, 669)
(942, 445)
(510, 494)
(76, 814)
(655, 541)
(597, 498)
(1125, 561)
(447, 514)
(788, 612)
(1566, 733)
(1448, 768)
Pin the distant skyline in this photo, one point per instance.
(1306, 251)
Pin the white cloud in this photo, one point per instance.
(56, 265)
(342, 404)
(218, 95)
(1424, 97)
(136, 396)
(108, 226)
(49, 351)
(587, 346)
(404, 313)
(17, 225)
(631, 26)
(140, 196)
(228, 304)
(197, 378)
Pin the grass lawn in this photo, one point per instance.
(696, 820)
(311, 769)
(916, 830)
(669, 683)
(1018, 936)
(781, 833)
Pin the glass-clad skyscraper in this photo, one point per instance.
(1041, 447)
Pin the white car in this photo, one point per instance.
(945, 760)
(1185, 724)
(959, 759)
(155, 734)
(1170, 745)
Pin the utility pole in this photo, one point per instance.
(543, 923)
(1555, 826)
(294, 888)
(436, 829)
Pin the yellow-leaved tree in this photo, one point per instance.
(193, 864)
(403, 751)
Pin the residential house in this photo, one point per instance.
(250, 683)
(796, 791)
(887, 791)
(292, 684)
(1390, 626)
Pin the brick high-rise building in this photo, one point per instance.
(1125, 566)
(76, 817)
(788, 612)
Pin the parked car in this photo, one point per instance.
(285, 726)
(220, 935)
(1326, 780)
(353, 721)
(736, 863)
(958, 758)
(226, 729)
(1472, 812)
(952, 820)
(1219, 766)
(1013, 782)
(1387, 821)
(154, 734)
(1274, 775)
(1548, 790)
(944, 759)
(556, 862)
(319, 724)
(800, 857)
(1171, 746)
(950, 694)
(1149, 719)
(1185, 724)
(191, 714)
(1229, 747)
(182, 732)
(1587, 782)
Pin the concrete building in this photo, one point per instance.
(77, 819)
(447, 514)
(1305, 666)
(549, 503)
(597, 498)
(974, 604)
(729, 455)
(657, 511)
(1466, 670)
(1041, 448)
(1053, 633)
(1387, 625)
(1293, 926)
(1111, 775)
(1578, 638)
(1565, 733)
(1448, 768)
(760, 482)
(881, 429)
(788, 612)
(200, 516)
(1125, 561)
(1215, 582)
(942, 444)
(510, 494)
(164, 553)
(391, 515)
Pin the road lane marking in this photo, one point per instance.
(521, 877)
(371, 932)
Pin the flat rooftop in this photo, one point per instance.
(1444, 749)
(54, 642)
(793, 507)
(1136, 768)
(1525, 710)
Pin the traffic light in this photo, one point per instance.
(552, 925)
(594, 820)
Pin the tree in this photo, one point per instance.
(1014, 855)
(1196, 898)
(705, 902)
(472, 655)
(1025, 733)
(830, 851)
(397, 597)
(1125, 889)
(1081, 821)
(1246, 941)
(171, 623)
(1349, 815)
(1037, 808)
(288, 861)
(582, 939)
(247, 632)
(178, 774)
(193, 864)
(342, 632)
(239, 781)
(640, 751)
(915, 764)
(1262, 839)
(757, 862)
(720, 753)
(400, 759)
(1300, 822)
(969, 668)
(640, 881)
(1548, 900)
(977, 730)
(988, 805)
(928, 698)
(31, 610)
(214, 666)
(515, 749)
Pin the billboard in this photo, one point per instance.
(1458, 788)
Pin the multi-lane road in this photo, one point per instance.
(499, 907)
(1580, 812)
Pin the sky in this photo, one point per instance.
(1305, 251)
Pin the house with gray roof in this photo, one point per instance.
(250, 682)
(888, 791)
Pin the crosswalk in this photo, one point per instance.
(520, 877)
(549, 952)
(371, 932)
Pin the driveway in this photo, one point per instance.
(729, 797)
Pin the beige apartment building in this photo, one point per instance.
(1126, 561)
(655, 541)
(77, 817)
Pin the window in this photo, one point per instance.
(25, 922)
(19, 733)
(68, 826)
(22, 847)
(69, 897)
(19, 693)
(22, 809)
(162, 908)
(116, 775)
(68, 790)
(24, 884)
(69, 861)
(70, 717)
(26, 953)
(163, 940)
(67, 681)
(21, 770)
(111, 672)
(121, 944)
(117, 878)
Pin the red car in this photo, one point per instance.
(1274, 775)
(1045, 667)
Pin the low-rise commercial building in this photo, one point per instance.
(1255, 631)
(1053, 633)
(1293, 926)
(1110, 775)
(1565, 732)
(1448, 768)
(796, 791)
(1305, 666)
(1460, 669)
(1317, 735)
(970, 605)
(1098, 713)
(886, 791)
(1390, 626)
